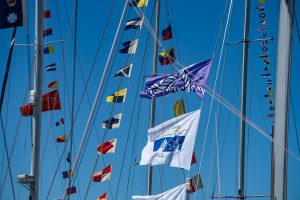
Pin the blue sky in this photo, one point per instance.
(195, 28)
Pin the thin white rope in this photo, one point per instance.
(217, 153)
(216, 80)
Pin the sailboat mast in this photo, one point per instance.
(243, 100)
(36, 96)
(284, 47)
(154, 72)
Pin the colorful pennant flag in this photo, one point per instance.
(103, 175)
(167, 33)
(47, 32)
(71, 190)
(260, 8)
(13, 13)
(269, 82)
(124, 72)
(107, 147)
(192, 78)
(60, 122)
(135, 23)
(263, 42)
(113, 122)
(47, 14)
(194, 159)
(178, 108)
(61, 138)
(51, 67)
(194, 184)
(117, 97)
(138, 3)
(167, 57)
(271, 115)
(267, 68)
(266, 62)
(271, 108)
(49, 50)
(102, 197)
(53, 85)
(263, 22)
(67, 174)
(269, 88)
(50, 101)
(268, 95)
(266, 75)
(129, 46)
(260, 29)
(265, 55)
(261, 1)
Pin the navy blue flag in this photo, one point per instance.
(12, 13)
(192, 78)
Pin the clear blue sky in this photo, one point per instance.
(195, 26)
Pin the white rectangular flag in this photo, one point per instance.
(172, 142)
(177, 193)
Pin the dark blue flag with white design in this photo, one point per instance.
(129, 46)
(12, 13)
(192, 78)
(51, 67)
(113, 122)
(135, 23)
(124, 72)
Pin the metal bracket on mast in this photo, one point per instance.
(248, 41)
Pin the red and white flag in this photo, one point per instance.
(194, 184)
(107, 147)
(103, 175)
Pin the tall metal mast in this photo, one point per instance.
(36, 96)
(284, 47)
(243, 99)
(154, 71)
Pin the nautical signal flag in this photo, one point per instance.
(71, 190)
(271, 115)
(266, 62)
(102, 197)
(53, 85)
(51, 67)
(269, 82)
(117, 97)
(47, 14)
(268, 95)
(129, 47)
(124, 72)
(60, 122)
(138, 3)
(47, 32)
(167, 33)
(263, 22)
(50, 101)
(269, 88)
(167, 57)
(135, 23)
(61, 138)
(103, 175)
(194, 184)
(67, 174)
(13, 13)
(49, 50)
(260, 8)
(261, 1)
(266, 75)
(260, 29)
(265, 55)
(113, 122)
(178, 108)
(107, 147)
(267, 68)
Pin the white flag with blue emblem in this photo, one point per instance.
(172, 142)
(177, 193)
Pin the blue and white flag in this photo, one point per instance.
(192, 78)
(172, 142)
(177, 193)
(13, 13)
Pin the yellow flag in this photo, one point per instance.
(261, 1)
(117, 97)
(179, 108)
(142, 3)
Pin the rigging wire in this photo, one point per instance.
(294, 120)
(6, 74)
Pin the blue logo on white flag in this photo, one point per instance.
(169, 144)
